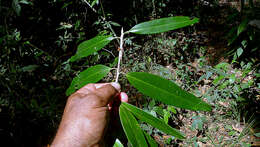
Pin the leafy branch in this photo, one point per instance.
(151, 85)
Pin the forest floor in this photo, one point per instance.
(226, 125)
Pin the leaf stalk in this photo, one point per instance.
(120, 54)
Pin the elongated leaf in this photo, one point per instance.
(150, 140)
(90, 75)
(94, 2)
(131, 128)
(29, 68)
(165, 91)
(153, 121)
(163, 25)
(88, 47)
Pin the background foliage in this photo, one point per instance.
(38, 37)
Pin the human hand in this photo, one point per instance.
(86, 115)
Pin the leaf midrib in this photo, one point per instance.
(160, 89)
(94, 73)
(151, 27)
(154, 119)
(93, 46)
(130, 125)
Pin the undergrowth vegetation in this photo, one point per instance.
(216, 60)
(223, 85)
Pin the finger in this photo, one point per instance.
(99, 85)
(123, 97)
(106, 93)
(116, 86)
(91, 87)
(87, 88)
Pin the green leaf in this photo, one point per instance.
(244, 43)
(197, 123)
(222, 65)
(163, 25)
(118, 143)
(219, 78)
(88, 47)
(158, 109)
(242, 26)
(223, 85)
(257, 134)
(114, 24)
(131, 128)
(232, 78)
(150, 140)
(153, 121)
(94, 2)
(172, 109)
(29, 68)
(166, 91)
(25, 2)
(90, 75)
(166, 116)
(239, 52)
(66, 5)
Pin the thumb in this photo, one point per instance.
(108, 92)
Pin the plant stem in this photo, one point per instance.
(109, 52)
(90, 6)
(107, 22)
(120, 54)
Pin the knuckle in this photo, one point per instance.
(76, 95)
(95, 99)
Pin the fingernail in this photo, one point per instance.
(116, 86)
(124, 97)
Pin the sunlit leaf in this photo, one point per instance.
(166, 91)
(218, 79)
(232, 78)
(163, 25)
(94, 2)
(131, 128)
(153, 121)
(90, 75)
(172, 109)
(118, 143)
(166, 115)
(88, 47)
